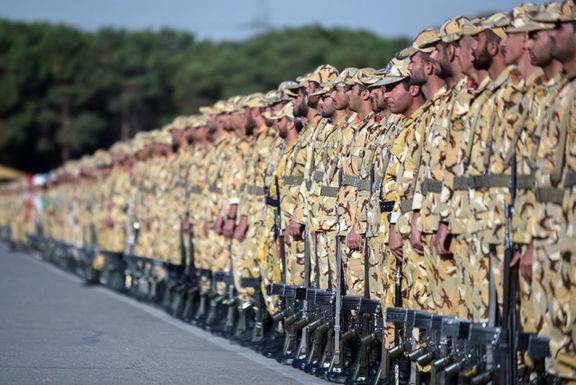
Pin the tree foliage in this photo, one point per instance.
(65, 92)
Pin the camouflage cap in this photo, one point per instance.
(496, 23)
(366, 76)
(395, 71)
(470, 27)
(180, 123)
(326, 87)
(424, 42)
(234, 104)
(452, 29)
(272, 97)
(197, 120)
(162, 137)
(122, 148)
(524, 9)
(101, 158)
(522, 23)
(288, 89)
(322, 74)
(256, 100)
(555, 12)
(286, 111)
(568, 11)
(207, 110)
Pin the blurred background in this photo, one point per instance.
(79, 75)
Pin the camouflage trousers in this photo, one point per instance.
(554, 298)
(443, 279)
(220, 258)
(459, 248)
(357, 264)
(477, 263)
(269, 262)
(417, 278)
(324, 260)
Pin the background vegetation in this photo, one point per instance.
(65, 92)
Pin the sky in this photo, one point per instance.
(240, 19)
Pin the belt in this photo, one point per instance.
(196, 189)
(250, 282)
(329, 191)
(256, 190)
(356, 181)
(549, 195)
(215, 189)
(222, 276)
(500, 180)
(460, 183)
(273, 202)
(431, 186)
(293, 180)
(386, 206)
(570, 179)
(406, 205)
(243, 187)
(317, 176)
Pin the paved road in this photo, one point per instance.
(54, 330)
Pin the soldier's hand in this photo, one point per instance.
(441, 240)
(295, 230)
(353, 241)
(395, 242)
(219, 224)
(286, 237)
(228, 229)
(415, 235)
(526, 263)
(241, 229)
(110, 223)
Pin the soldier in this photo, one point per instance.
(552, 283)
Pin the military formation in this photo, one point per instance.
(411, 224)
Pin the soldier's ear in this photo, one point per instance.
(414, 90)
(365, 94)
(451, 52)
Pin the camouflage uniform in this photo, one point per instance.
(554, 283)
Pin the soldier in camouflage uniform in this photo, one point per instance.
(553, 283)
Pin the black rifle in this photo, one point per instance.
(484, 361)
(320, 354)
(509, 324)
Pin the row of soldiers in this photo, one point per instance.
(425, 185)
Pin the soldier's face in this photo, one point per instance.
(341, 97)
(355, 97)
(482, 58)
(513, 47)
(377, 100)
(327, 106)
(398, 98)
(300, 104)
(312, 101)
(443, 65)
(282, 126)
(539, 46)
(563, 42)
(464, 51)
(416, 68)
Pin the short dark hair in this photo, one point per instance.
(491, 37)
(406, 82)
(298, 124)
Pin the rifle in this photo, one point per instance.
(322, 342)
(309, 315)
(334, 360)
(192, 280)
(370, 334)
(509, 324)
(483, 364)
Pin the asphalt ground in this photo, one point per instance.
(56, 330)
